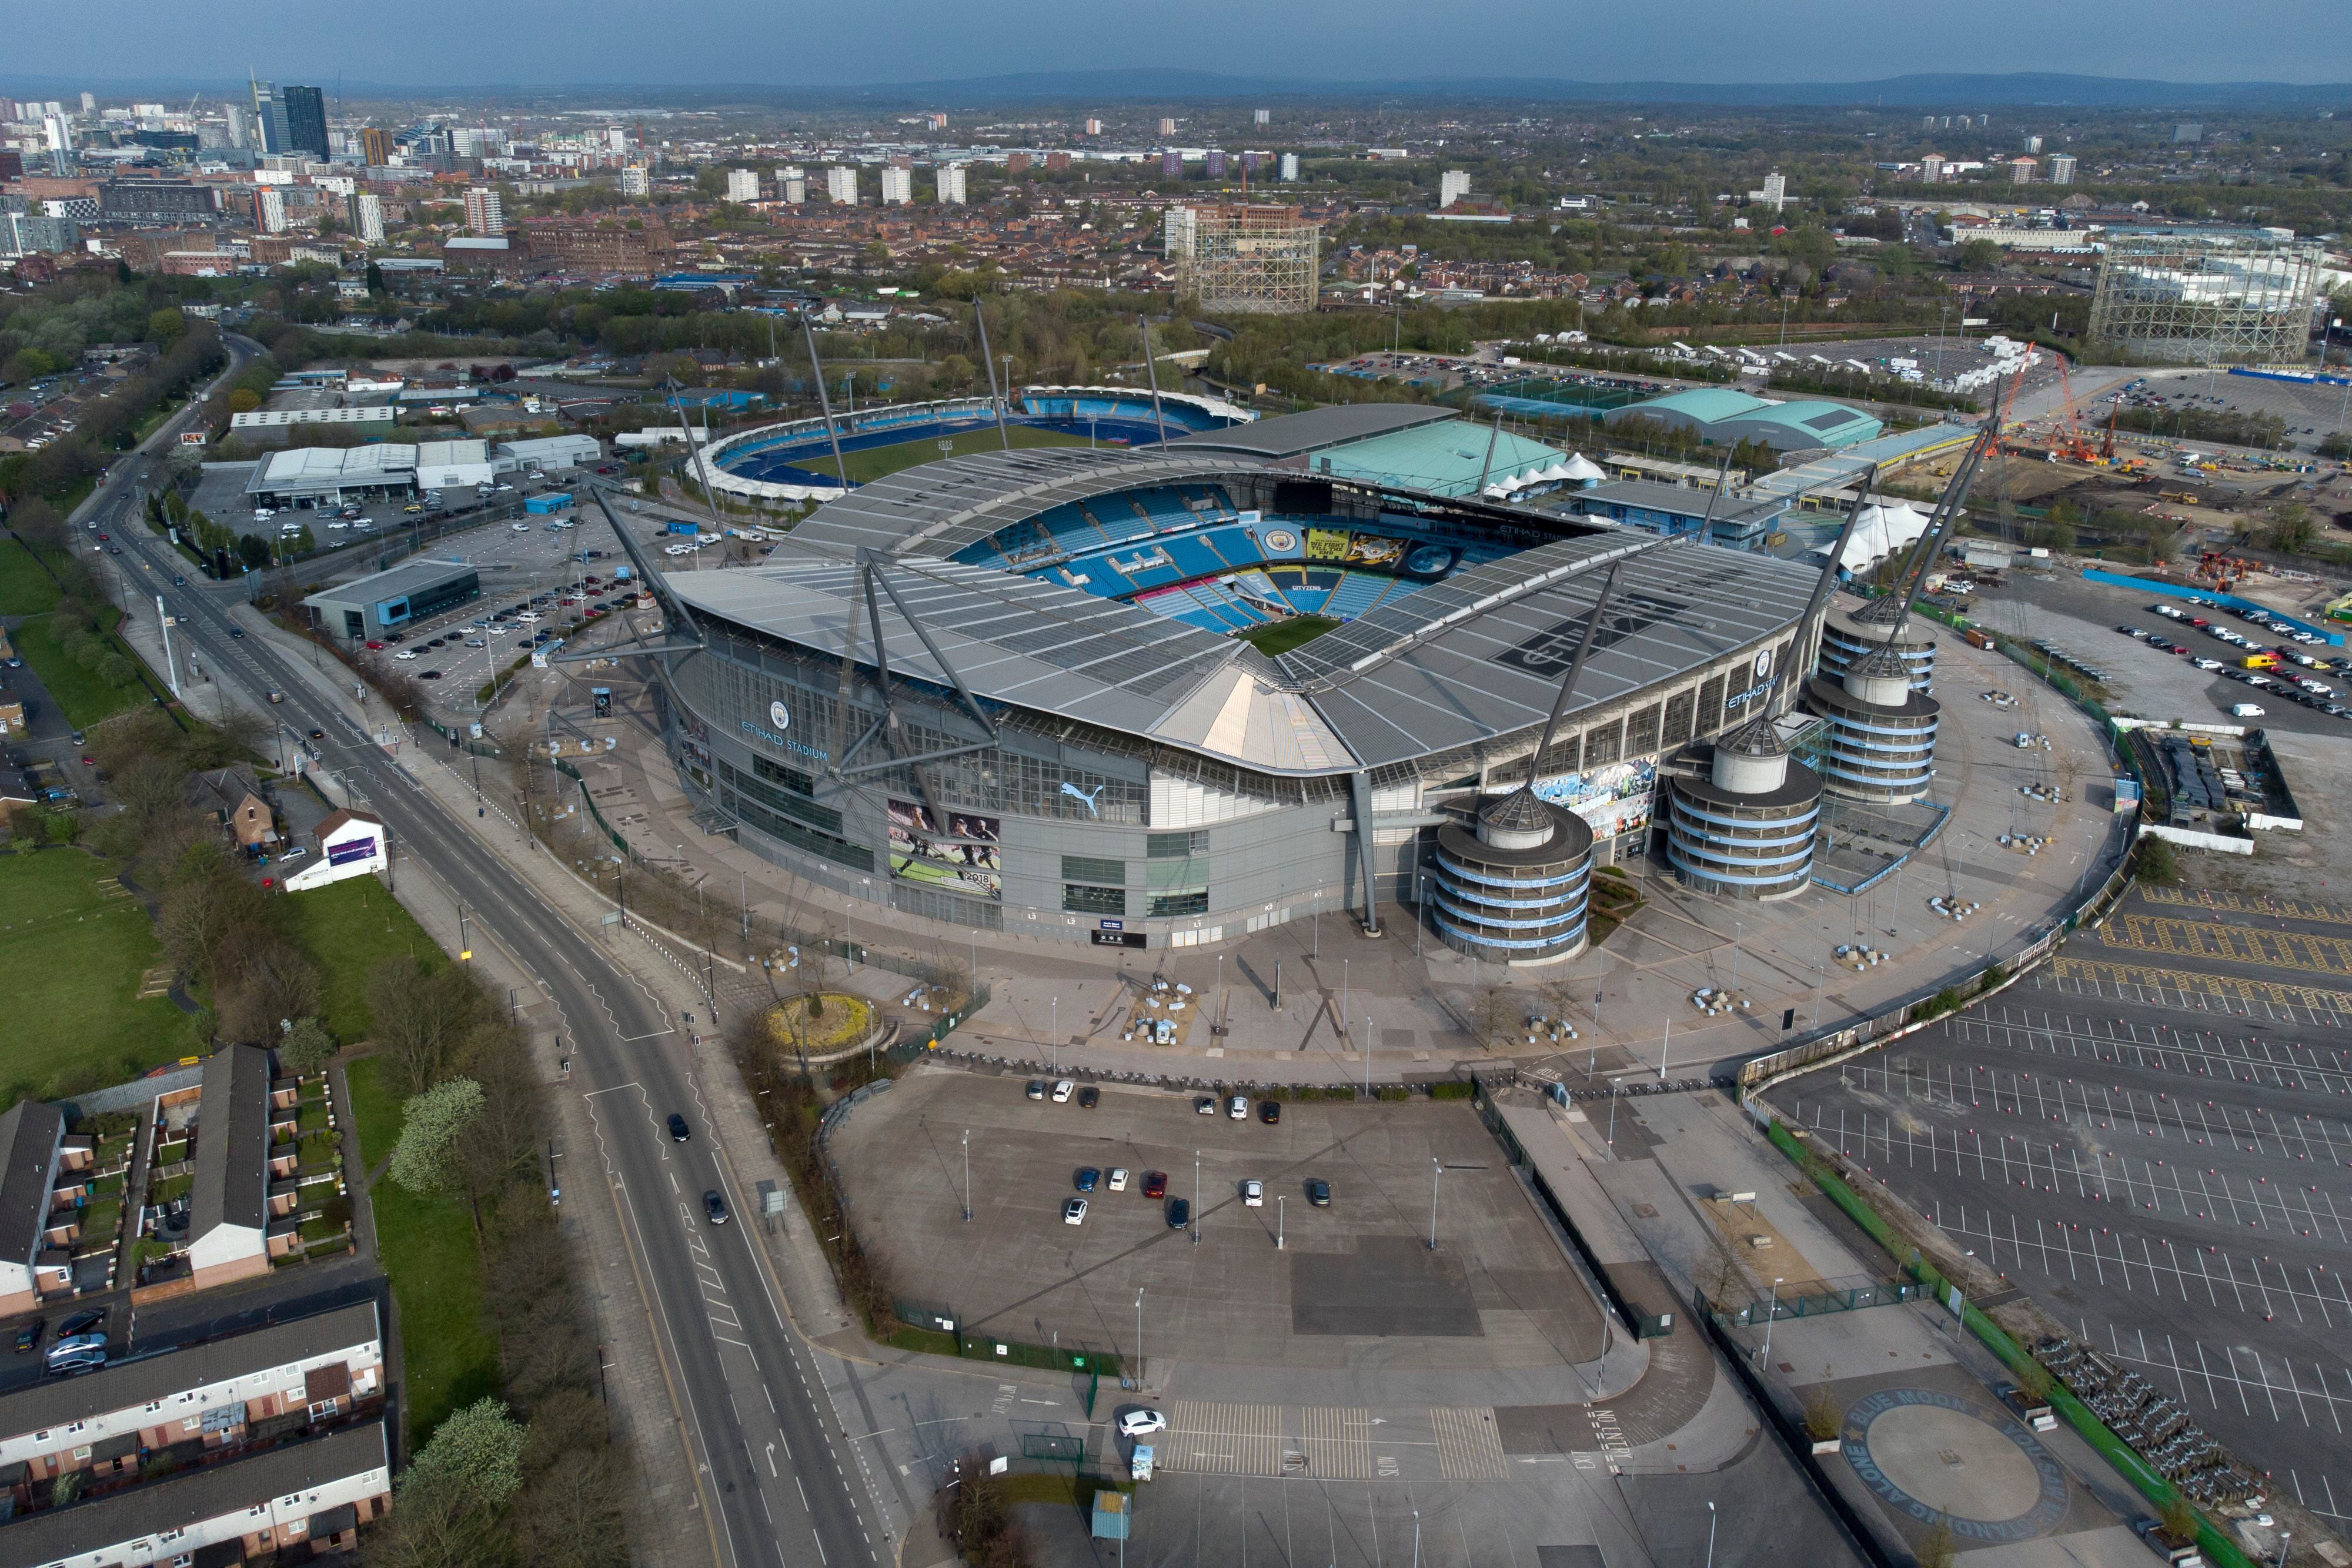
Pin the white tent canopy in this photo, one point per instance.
(1579, 469)
(1878, 532)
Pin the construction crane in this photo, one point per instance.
(2071, 443)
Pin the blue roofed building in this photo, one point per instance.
(1676, 511)
(1444, 458)
(1721, 417)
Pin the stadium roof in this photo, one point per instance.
(1294, 434)
(1732, 416)
(1475, 657)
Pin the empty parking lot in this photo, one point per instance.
(1286, 1284)
(2152, 1138)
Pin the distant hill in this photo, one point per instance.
(1946, 92)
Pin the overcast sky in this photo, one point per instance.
(786, 43)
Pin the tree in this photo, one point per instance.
(1977, 256)
(306, 1047)
(479, 1450)
(165, 327)
(424, 1160)
(1939, 1549)
(2178, 1519)
(244, 399)
(2158, 864)
(1494, 1013)
(2290, 527)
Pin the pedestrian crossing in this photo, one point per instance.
(1331, 1442)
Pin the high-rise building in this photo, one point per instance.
(486, 213)
(935, 122)
(897, 186)
(1452, 187)
(375, 145)
(841, 184)
(1171, 164)
(1167, 127)
(367, 216)
(306, 120)
(2020, 171)
(1261, 117)
(1094, 126)
(2062, 168)
(2188, 133)
(32, 233)
(1288, 168)
(56, 132)
(1931, 168)
(239, 123)
(2034, 144)
(742, 185)
(1057, 163)
(616, 140)
(636, 181)
(951, 186)
(1017, 162)
(269, 209)
(89, 103)
(1238, 257)
(10, 110)
(269, 118)
(1776, 190)
(792, 185)
(1214, 163)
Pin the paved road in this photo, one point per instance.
(741, 1381)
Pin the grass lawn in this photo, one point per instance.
(25, 588)
(348, 929)
(82, 696)
(874, 462)
(1282, 636)
(70, 961)
(427, 1248)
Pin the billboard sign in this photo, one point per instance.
(346, 850)
(1613, 799)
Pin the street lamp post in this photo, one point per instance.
(1138, 1338)
(967, 1176)
(1710, 1534)
(1771, 1315)
(1196, 1198)
(1278, 1220)
(1435, 1170)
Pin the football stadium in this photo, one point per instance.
(1164, 697)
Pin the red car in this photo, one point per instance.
(375, 647)
(101, 538)
(1155, 1184)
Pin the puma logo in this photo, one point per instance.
(1075, 793)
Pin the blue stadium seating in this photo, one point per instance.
(1357, 593)
(1196, 559)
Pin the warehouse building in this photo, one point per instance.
(548, 452)
(387, 600)
(331, 475)
(1721, 417)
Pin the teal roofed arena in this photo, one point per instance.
(1725, 418)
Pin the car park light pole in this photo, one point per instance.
(1138, 1339)
(1435, 1170)
(1710, 1534)
(967, 1188)
(1196, 1198)
(1279, 1219)
(1771, 1314)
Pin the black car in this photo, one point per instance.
(81, 1323)
(1180, 1214)
(236, 632)
(678, 1131)
(1089, 1097)
(1270, 1112)
(1319, 1192)
(179, 582)
(29, 1336)
(715, 1207)
(430, 675)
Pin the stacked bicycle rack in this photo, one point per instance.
(2154, 1424)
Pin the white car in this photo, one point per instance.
(405, 654)
(1063, 1090)
(2209, 664)
(522, 527)
(1238, 1107)
(1119, 1178)
(1253, 1194)
(1075, 1211)
(1141, 1423)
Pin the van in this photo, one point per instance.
(2245, 710)
(527, 616)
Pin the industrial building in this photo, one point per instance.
(387, 600)
(2206, 296)
(1089, 752)
(1678, 511)
(547, 452)
(333, 475)
(1237, 257)
(1721, 417)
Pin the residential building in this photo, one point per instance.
(1094, 126)
(230, 1206)
(239, 124)
(1261, 117)
(794, 187)
(1171, 164)
(1213, 163)
(375, 146)
(841, 186)
(240, 808)
(1288, 168)
(2034, 144)
(33, 233)
(486, 213)
(1017, 162)
(310, 1496)
(269, 208)
(2020, 170)
(156, 201)
(897, 187)
(742, 185)
(1167, 128)
(193, 1402)
(367, 216)
(32, 1264)
(636, 181)
(1931, 169)
(1452, 187)
(1775, 194)
(578, 246)
(951, 185)
(2062, 168)
(1243, 257)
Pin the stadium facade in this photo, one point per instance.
(1019, 690)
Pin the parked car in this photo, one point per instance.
(28, 1336)
(1253, 1194)
(1141, 1423)
(1089, 1179)
(1206, 1104)
(1075, 1211)
(1180, 1214)
(1089, 1097)
(1319, 1192)
(81, 1324)
(1238, 1108)
(1036, 1089)
(1155, 1184)
(1117, 1178)
(1270, 1112)
(1063, 1090)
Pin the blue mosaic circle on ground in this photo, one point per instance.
(2048, 1509)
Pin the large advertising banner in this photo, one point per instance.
(1374, 549)
(1327, 544)
(963, 858)
(1614, 799)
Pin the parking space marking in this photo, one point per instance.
(2214, 941)
(2239, 903)
(1226, 1439)
(1339, 1444)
